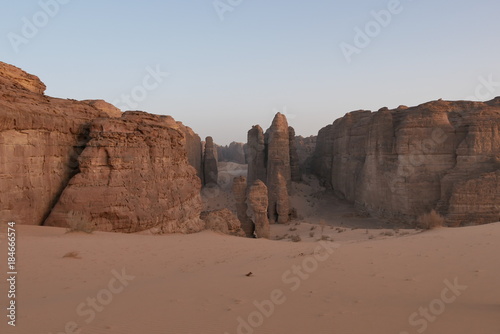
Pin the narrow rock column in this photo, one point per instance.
(240, 195)
(256, 155)
(257, 201)
(294, 157)
(210, 169)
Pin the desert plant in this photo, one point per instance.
(292, 229)
(295, 238)
(73, 255)
(430, 220)
(77, 222)
(311, 234)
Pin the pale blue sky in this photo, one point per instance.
(265, 56)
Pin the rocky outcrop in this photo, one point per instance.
(239, 190)
(269, 160)
(278, 168)
(122, 172)
(40, 141)
(257, 199)
(210, 169)
(295, 173)
(256, 155)
(305, 149)
(223, 221)
(235, 152)
(401, 163)
(134, 176)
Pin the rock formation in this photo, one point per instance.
(305, 150)
(40, 140)
(64, 156)
(235, 152)
(210, 169)
(133, 176)
(257, 199)
(256, 155)
(239, 190)
(295, 174)
(223, 221)
(401, 163)
(278, 168)
(271, 158)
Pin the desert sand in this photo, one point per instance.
(197, 283)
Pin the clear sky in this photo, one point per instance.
(263, 56)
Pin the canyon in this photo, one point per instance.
(134, 171)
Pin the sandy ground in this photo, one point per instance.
(198, 284)
(330, 271)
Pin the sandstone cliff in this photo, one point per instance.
(234, 152)
(401, 163)
(133, 176)
(40, 140)
(128, 172)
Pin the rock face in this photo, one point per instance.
(223, 221)
(210, 169)
(122, 172)
(401, 163)
(257, 202)
(239, 190)
(256, 155)
(134, 176)
(278, 168)
(295, 173)
(305, 150)
(271, 159)
(235, 152)
(40, 141)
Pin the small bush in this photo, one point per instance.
(77, 222)
(292, 229)
(73, 255)
(295, 238)
(430, 220)
(311, 234)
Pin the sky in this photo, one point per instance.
(222, 66)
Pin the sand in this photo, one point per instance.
(197, 283)
(348, 275)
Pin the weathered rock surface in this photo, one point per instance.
(210, 169)
(256, 155)
(134, 176)
(278, 168)
(295, 173)
(235, 152)
(305, 150)
(257, 200)
(40, 140)
(224, 221)
(239, 189)
(401, 163)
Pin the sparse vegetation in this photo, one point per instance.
(371, 236)
(292, 229)
(72, 255)
(387, 233)
(78, 222)
(431, 220)
(311, 234)
(295, 238)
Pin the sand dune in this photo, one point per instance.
(197, 283)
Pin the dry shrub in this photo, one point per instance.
(430, 220)
(73, 255)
